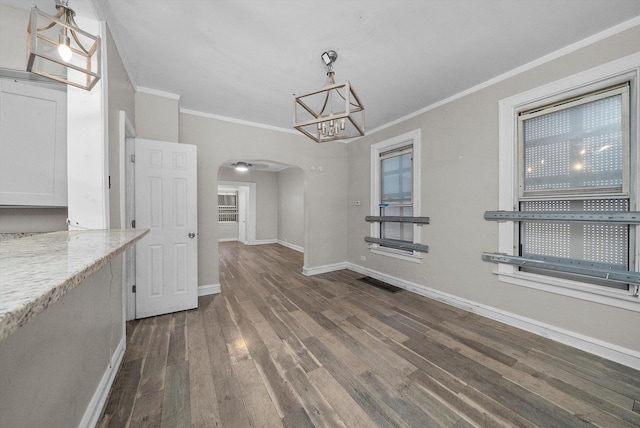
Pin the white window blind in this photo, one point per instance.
(577, 147)
(396, 193)
(227, 207)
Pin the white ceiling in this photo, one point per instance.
(244, 59)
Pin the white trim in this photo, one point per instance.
(612, 352)
(228, 239)
(98, 400)
(609, 32)
(292, 246)
(390, 252)
(206, 290)
(415, 139)
(238, 121)
(157, 92)
(617, 71)
(324, 269)
(126, 130)
(262, 242)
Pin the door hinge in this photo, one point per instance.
(133, 224)
(109, 182)
(133, 288)
(133, 158)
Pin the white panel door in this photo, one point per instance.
(166, 204)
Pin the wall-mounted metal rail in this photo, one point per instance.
(621, 217)
(579, 267)
(400, 245)
(398, 219)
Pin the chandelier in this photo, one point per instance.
(338, 112)
(60, 50)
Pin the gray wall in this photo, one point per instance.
(266, 198)
(218, 141)
(121, 96)
(156, 117)
(291, 206)
(52, 365)
(459, 179)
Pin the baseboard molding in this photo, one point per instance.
(263, 242)
(625, 356)
(228, 240)
(292, 246)
(94, 410)
(324, 269)
(206, 290)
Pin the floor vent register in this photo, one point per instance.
(380, 284)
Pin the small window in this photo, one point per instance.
(228, 207)
(395, 191)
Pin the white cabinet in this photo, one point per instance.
(33, 144)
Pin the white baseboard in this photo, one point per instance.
(227, 239)
(263, 242)
(206, 290)
(292, 246)
(619, 354)
(94, 409)
(324, 269)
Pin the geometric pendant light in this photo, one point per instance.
(58, 49)
(333, 112)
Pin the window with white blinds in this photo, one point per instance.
(228, 207)
(396, 195)
(576, 147)
(574, 156)
(395, 192)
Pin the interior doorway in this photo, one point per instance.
(270, 199)
(242, 228)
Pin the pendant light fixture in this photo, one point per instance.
(58, 49)
(331, 113)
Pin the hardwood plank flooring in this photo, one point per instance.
(278, 349)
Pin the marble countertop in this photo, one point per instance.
(36, 271)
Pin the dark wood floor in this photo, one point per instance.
(277, 348)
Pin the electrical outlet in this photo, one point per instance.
(363, 258)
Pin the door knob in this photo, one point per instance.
(192, 235)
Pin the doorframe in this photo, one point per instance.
(251, 207)
(126, 134)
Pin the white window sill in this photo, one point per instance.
(593, 293)
(401, 255)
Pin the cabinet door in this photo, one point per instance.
(33, 149)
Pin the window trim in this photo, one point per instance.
(412, 138)
(595, 79)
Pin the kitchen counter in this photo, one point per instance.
(37, 271)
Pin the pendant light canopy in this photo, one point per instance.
(242, 166)
(58, 49)
(331, 113)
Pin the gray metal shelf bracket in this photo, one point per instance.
(580, 267)
(622, 217)
(400, 245)
(398, 219)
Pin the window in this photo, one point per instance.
(571, 146)
(395, 191)
(228, 207)
(574, 156)
(396, 197)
